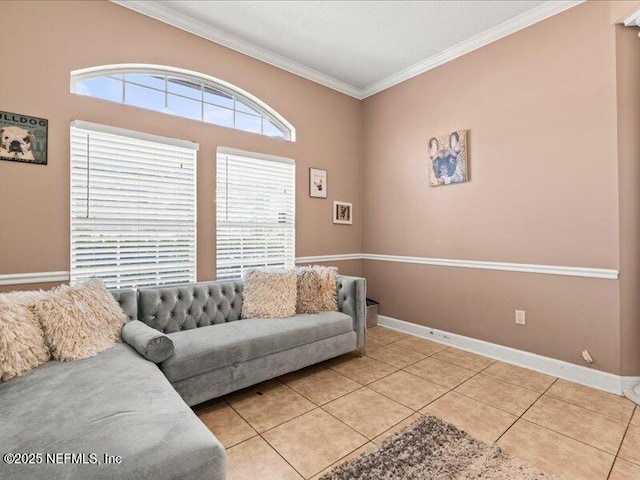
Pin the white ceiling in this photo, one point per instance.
(357, 47)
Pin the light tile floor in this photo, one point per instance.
(302, 424)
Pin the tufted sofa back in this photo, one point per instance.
(128, 301)
(183, 307)
(176, 308)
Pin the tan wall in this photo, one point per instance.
(541, 109)
(564, 314)
(628, 75)
(63, 36)
(553, 148)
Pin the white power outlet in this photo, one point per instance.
(520, 318)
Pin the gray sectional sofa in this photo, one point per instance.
(122, 405)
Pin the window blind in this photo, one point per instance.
(133, 209)
(255, 213)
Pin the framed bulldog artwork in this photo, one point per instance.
(23, 138)
(447, 158)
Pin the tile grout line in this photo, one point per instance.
(343, 422)
(520, 417)
(317, 406)
(454, 389)
(320, 407)
(496, 361)
(527, 409)
(365, 384)
(340, 396)
(338, 462)
(590, 409)
(553, 431)
(617, 455)
(276, 450)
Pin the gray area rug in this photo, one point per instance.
(430, 449)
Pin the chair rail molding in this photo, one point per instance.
(585, 272)
(36, 277)
(603, 273)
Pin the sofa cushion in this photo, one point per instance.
(316, 289)
(269, 293)
(22, 344)
(153, 345)
(116, 403)
(80, 321)
(209, 348)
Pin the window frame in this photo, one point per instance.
(221, 151)
(145, 137)
(205, 81)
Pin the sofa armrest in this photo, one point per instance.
(153, 345)
(352, 300)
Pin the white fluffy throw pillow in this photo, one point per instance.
(22, 345)
(269, 293)
(316, 289)
(80, 321)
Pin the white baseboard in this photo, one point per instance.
(607, 382)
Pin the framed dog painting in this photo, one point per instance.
(448, 158)
(23, 138)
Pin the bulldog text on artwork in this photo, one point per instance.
(23, 138)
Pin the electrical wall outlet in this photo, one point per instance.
(520, 318)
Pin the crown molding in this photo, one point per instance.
(155, 9)
(633, 19)
(163, 13)
(535, 15)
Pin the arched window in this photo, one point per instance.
(182, 93)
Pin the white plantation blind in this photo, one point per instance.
(133, 208)
(255, 212)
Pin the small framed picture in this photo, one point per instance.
(317, 183)
(343, 213)
(23, 138)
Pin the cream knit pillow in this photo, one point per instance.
(269, 293)
(80, 321)
(22, 345)
(316, 289)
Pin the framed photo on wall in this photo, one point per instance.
(447, 158)
(23, 138)
(343, 213)
(317, 183)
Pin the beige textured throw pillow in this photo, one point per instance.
(269, 293)
(22, 345)
(80, 321)
(316, 289)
